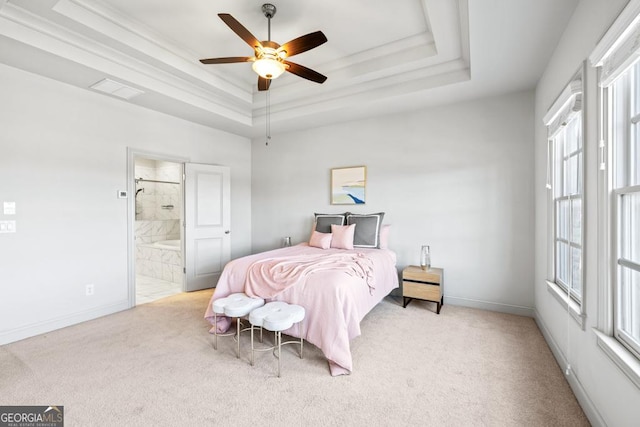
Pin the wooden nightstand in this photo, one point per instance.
(423, 284)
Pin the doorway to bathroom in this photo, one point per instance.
(159, 267)
(179, 218)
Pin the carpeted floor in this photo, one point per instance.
(155, 365)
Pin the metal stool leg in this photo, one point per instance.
(251, 345)
(238, 336)
(215, 332)
(279, 339)
(301, 339)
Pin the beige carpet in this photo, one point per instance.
(155, 365)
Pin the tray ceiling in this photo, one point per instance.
(381, 57)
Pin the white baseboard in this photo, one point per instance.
(34, 329)
(585, 402)
(491, 306)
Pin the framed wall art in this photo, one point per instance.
(348, 185)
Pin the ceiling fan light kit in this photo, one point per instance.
(268, 67)
(269, 60)
(270, 63)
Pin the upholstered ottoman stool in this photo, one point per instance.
(235, 305)
(276, 316)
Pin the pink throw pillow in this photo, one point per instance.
(320, 240)
(342, 236)
(384, 236)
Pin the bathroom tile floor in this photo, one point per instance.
(149, 289)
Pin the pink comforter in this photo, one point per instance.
(334, 300)
(268, 277)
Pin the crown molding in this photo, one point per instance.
(91, 34)
(409, 65)
(135, 36)
(366, 95)
(30, 29)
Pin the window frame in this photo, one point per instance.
(613, 55)
(622, 183)
(559, 175)
(561, 113)
(626, 339)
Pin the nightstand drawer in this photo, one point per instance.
(427, 285)
(419, 275)
(421, 291)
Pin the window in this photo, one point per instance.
(624, 103)
(567, 206)
(617, 59)
(565, 182)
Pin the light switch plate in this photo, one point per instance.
(122, 194)
(9, 208)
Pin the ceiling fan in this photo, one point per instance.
(269, 60)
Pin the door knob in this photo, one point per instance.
(227, 231)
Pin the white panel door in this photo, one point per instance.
(207, 224)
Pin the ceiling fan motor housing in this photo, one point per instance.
(269, 10)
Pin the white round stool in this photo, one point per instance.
(276, 316)
(236, 305)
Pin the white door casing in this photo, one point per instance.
(207, 230)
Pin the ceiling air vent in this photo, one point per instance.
(116, 89)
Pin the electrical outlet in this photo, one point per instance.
(89, 289)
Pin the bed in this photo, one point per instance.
(337, 288)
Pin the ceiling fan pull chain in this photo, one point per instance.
(268, 118)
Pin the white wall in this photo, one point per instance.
(606, 394)
(459, 178)
(63, 157)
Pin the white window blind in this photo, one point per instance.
(565, 108)
(619, 49)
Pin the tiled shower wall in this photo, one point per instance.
(158, 206)
(158, 209)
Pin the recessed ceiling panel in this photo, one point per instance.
(380, 56)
